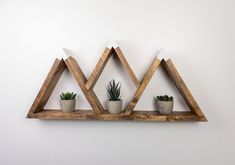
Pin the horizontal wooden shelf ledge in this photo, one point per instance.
(135, 115)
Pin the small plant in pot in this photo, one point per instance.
(114, 104)
(165, 104)
(68, 101)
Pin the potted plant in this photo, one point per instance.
(165, 104)
(114, 104)
(68, 101)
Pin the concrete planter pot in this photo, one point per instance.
(114, 107)
(165, 107)
(67, 105)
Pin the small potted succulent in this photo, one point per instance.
(68, 101)
(165, 104)
(114, 104)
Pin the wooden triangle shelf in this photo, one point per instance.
(98, 113)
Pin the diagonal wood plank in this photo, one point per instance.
(99, 68)
(90, 92)
(126, 66)
(183, 89)
(143, 85)
(48, 86)
(81, 80)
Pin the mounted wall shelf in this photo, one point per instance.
(98, 113)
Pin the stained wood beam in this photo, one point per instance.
(126, 66)
(80, 78)
(48, 86)
(106, 116)
(99, 68)
(183, 89)
(152, 69)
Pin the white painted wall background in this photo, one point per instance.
(198, 35)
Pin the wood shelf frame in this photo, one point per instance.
(108, 52)
(98, 113)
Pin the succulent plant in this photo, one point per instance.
(165, 98)
(114, 91)
(68, 96)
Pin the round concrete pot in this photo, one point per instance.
(114, 107)
(67, 105)
(165, 107)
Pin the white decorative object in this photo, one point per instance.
(113, 44)
(67, 53)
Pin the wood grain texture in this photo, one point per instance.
(102, 63)
(152, 69)
(48, 86)
(126, 66)
(181, 86)
(80, 78)
(99, 68)
(106, 116)
(98, 113)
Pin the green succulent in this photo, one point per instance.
(68, 96)
(114, 91)
(164, 98)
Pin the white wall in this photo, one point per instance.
(198, 35)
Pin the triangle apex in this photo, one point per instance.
(159, 58)
(163, 55)
(112, 44)
(167, 58)
(67, 53)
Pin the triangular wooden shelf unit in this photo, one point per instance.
(98, 113)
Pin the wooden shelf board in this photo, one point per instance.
(136, 115)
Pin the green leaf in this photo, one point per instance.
(68, 96)
(114, 90)
(165, 98)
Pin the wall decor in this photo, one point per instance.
(98, 112)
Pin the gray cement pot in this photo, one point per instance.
(165, 107)
(114, 107)
(67, 105)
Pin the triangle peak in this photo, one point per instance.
(67, 53)
(163, 54)
(112, 44)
